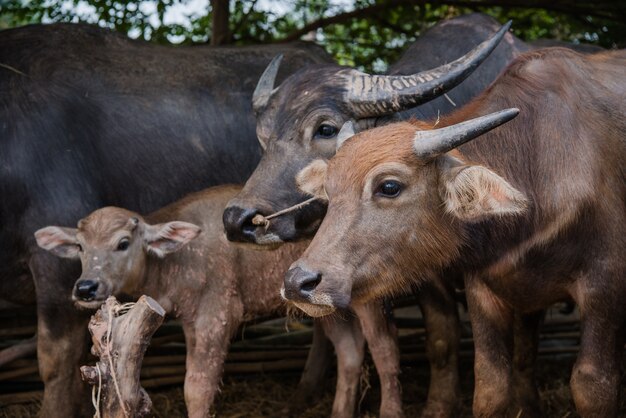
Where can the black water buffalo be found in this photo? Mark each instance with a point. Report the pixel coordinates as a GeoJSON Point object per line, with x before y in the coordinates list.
{"type": "Point", "coordinates": [299, 121]}
{"type": "Point", "coordinates": [90, 118]}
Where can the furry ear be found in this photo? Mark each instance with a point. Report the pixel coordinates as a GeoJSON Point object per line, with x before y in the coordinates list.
{"type": "Point", "coordinates": [59, 241]}
{"type": "Point", "coordinates": [473, 192]}
{"type": "Point", "coordinates": [163, 239]}
{"type": "Point", "coordinates": [311, 179]}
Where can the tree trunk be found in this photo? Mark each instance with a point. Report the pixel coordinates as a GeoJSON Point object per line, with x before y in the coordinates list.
{"type": "Point", "coordinates": [120, 341]}
{"type": "Point", "coordinates": [221, 14]}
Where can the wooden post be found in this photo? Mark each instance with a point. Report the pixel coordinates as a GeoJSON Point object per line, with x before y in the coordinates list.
{"type": "Point", "coordinates": [120, 338]}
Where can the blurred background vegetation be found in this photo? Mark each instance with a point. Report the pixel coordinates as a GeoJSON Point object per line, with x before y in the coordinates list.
{"type": "Point", "coordinates": [368, 34]}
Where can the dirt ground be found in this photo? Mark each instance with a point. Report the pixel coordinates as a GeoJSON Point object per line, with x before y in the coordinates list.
{"type": "Point", "coordinates": [267, 395]}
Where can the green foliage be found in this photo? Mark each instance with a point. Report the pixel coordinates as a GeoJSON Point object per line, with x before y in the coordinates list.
{"type": "Point", "coordinates": [370, 41]}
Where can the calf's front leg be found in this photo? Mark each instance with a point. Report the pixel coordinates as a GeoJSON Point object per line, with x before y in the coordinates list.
{"type": "Point", "coordinates": [492, 327]}
{"type": "Point", "coordinates": [207, 339]}
{"type": "Point", "coordinates": [381, 337]}
{"type": "Point", "coordinates": [349, 344]}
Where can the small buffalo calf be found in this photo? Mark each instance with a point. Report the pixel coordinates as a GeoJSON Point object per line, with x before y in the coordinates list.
{"type": "Point", "coordinates": [180, 257]}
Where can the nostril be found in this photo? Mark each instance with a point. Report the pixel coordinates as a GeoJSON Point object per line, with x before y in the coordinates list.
{"type": "Point", "coordinates": [238, 224]}
{"type": "Point", "coordinates": [310, 283]}
{"type": "Point", "coordinates": [86, 289]}
{"type": "Point", "coordinates": [247, 226]}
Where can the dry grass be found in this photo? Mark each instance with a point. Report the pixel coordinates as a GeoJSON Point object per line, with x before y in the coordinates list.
{"type": "Point", "coordinates": [267, 395]}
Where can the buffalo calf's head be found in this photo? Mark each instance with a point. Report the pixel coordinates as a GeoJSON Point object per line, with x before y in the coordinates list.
{"type": "Point", "coordinates": [396, 197]}
{"type": "Point", "coordinates": [113, 245]}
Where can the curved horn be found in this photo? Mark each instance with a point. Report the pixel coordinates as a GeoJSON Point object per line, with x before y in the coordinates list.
{"type": "Point", "coordinates": [429, 144]}
{"type": "Point", "coordinates": [346, 132]}
{"type": "Point", "coordinates": [265, 86]}
{"type": "Point", "coordinates": [378, 95]}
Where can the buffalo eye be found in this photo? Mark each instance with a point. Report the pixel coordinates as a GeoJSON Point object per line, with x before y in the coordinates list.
{"type": "Point", "coordinates": [80, 248]}
{"type": "Point", "coordinates": [123, 245]}
{"type": "Point", "coordinates": [325, 131]}
{"type": "Point", "coordinates": [389, 188]}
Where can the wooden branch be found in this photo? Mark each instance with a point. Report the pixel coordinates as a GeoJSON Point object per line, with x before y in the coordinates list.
{"type": "Point", "coordinates": [16, 373]}
{"type": "Point", "coordinates": [120, 340]}
{"type": "Point", "coordinates": [22, 349]}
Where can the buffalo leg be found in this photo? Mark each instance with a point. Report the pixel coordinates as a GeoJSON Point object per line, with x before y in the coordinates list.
{"type": "Point", "coordinates": [381, 337]}
{"type": "Point", "coordinates": [349, 344]}
{"type": "Point", "coordinates": [62, 338]}
{"type": "Point", "coordinates": [207, 339]}
{"type": "Point", "coordinates": [315, 369]}
{"type": "Point", "coordinates": [443, 334]}
{"type": "Point", "coordinates": [492, 327]}
{"type": "Point", "coordinates": [526, 343]}
{"type": "Point", "coordinates": [595, 379]}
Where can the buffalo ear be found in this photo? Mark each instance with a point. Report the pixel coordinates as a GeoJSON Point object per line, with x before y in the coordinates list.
{"type": "Point", "coordinates": [59, 241]}
{"type": "Point", "coordinates": [311, 179]}
{"type": "Point", "coordinates": [162, 239]}
{"type": "Point", "coordinates": [473, 192]}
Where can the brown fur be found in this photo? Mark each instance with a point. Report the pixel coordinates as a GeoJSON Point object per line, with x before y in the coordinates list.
{"type": "Point", "coordinates": [211, 285]}
{"type": "Point", "coordinates": [558, 173]}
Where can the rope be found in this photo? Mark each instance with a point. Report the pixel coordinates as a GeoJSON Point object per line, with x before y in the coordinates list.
{"type": "Point", "coordinates": [264, 221]}
{"type": "Point", "coordinates": [96, 400]}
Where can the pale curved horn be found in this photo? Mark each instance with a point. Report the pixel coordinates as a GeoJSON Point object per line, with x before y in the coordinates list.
{"type": "Point", "coordinates": [429, 144]}
{"type": "Point", "coordinates": [378, 95]}
{"type": "Point", "coordinates": [265, 86]}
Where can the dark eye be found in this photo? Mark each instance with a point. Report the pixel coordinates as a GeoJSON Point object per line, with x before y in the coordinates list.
{"type": "Point", "coordinates": [325, 131]}
{"type": "Point", "coordinates": [389, 188]}
{"type": "Point", "coordinates": [123, 245]}
{"type": "Point", "coordinates": [80, 248]}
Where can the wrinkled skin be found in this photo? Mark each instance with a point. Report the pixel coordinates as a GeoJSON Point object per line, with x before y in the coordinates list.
{"type": "Point", "coordinates": [179, 258]}
{"type": "Point", "coordinates": [532, 213]}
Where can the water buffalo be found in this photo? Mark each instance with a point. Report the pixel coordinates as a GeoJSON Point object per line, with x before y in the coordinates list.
{"type": "Point", "coordinates": [89, 118]}
{"type": "Point", "coordinates": [533, 212]}
{"type": "Point", "coordinates": [298, 121]}
{"type": "Point", "coordinates": [179, 257]}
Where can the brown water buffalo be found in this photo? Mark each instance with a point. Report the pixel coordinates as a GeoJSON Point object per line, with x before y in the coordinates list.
{"type": "Point", "coordinates": [180, 257]}
{"type": "Point", "coordinates": [532, 213]}
{"type": "Point", "coordinates": [298, 122]}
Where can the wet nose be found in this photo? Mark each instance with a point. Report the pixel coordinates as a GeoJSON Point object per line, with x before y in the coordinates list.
{"type": "Point", "coordinates": [238, 224]}
{"type": "Point", "coordinates": [86, 289]}
{"type": "Point", "coordinates": [300, 283]}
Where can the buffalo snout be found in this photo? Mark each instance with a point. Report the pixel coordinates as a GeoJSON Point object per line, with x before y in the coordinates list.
{"type": "Point", "coordinates": [300, 284]}
{"type": "Point", "coordinates": [238, 224]}
{"type": "Point", "coordinates": [86, 289]}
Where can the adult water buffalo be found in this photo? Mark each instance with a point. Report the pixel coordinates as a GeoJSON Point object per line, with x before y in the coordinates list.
{"type": "Point", "coordinates": [298, 122]}
{"type": "Point", "coordinates": [533, 213]}
{"type": "Point", "coordinates": [90, 118]}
